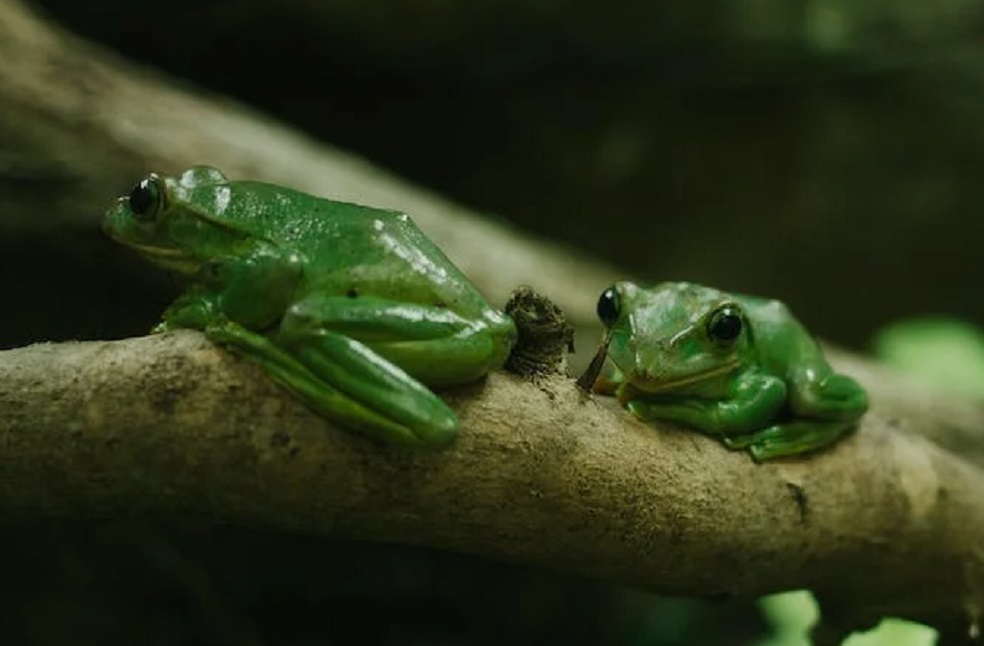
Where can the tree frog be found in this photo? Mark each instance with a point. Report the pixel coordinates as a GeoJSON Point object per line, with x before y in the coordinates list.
{"type": "Point", "coordinates": [737, 367]}
{"type": "Point", "coordinates": [349, 307]}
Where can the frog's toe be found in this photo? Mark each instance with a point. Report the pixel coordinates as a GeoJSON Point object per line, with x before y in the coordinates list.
{"type": "Point", "coordinates": [738, 442]}
{"type": "Point", "coordinates": [425, 421]}
{"type": "Point", "coordinates": [842, 388]}
{"type": "Point", "coordinates": [795, 438]}
{"type": "Point", "coordinates": [436, 431]}
{"type": "Point", "coordinates": [638, 409]}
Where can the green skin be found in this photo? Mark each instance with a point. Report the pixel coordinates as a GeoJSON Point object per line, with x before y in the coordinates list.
{"type": "Point", "coordinates": [349, 307]}
{"type": "Point", "coordinates": [736, 367]}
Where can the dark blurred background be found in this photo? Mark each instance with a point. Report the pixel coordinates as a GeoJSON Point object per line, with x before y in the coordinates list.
{"type": "Point", "coordinates": [826, 152]}
{"type": "Point", "coordinates": [127, 585]}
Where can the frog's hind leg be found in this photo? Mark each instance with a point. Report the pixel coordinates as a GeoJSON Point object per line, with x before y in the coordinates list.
{"type": "Point", "coordinates": [439, 424]}
{"type": "Point", "coordinates": [380, 352]}
{"type": "Point", "coordinates": [432, 344]}
{"type": "Point", "coordinates": [789, 438]}
{"type": "Point", "coordinates": [354, 369]}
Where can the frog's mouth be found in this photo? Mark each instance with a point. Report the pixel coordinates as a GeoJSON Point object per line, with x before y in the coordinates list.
{"type": "Point", "coordinates": [677, 384]}
{"type": "Point", "coordinates": [167, 257]}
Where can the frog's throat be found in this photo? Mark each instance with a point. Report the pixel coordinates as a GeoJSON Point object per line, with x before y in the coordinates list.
{"type": "Point", "coordinates": [676, 384]}
{"type": "Point", "coordinates": [168, 257]}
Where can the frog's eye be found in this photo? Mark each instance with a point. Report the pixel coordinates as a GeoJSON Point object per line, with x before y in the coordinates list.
{"type": "Point", "coordinates": [609, 307]}
{"type": "Point", "coordinates": [725, 324]}
{"type": "Point", "coordinates": [145, 199]}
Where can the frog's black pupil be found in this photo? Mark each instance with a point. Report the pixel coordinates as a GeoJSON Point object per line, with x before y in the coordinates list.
{"type": "Point", "coordinates": [143, 199]}
{"type": "Point", "coordinates": [609, 306]}
{"type": "Point", "coordinates": [725, 325]}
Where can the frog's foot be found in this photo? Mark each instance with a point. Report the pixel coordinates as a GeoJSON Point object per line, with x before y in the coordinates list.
{"type": "Point", "coordinates": [345, 381]}
{"type": "Point", "coordinates": [790, 438]}
{"type": "Point", "coordinates": [193, 310]}
{"type": "Point", "coordinates": [837, 397]}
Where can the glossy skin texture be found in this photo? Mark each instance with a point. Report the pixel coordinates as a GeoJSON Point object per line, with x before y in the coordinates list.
{"type": "Point", "coordinates": [737, 367]}
{"type": "Point", "coordinates": [349, 307]}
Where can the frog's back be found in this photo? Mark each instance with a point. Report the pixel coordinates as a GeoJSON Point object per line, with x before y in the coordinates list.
{"type": "Point", "coordinates": [353, 249]}
{"type": "Point", "coordinates": [781, 340]}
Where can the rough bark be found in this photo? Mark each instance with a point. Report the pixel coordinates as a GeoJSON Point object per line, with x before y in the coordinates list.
{"type": "Point", "coordinates": [888, 522]}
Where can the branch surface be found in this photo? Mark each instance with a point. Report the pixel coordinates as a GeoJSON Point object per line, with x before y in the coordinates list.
{"type": "Point", "coordinates": [886, 522]}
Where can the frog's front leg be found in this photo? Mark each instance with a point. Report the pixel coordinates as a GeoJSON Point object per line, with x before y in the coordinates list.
{"type": "Point", "coordinates": [375, 350]}
{"type": "Point", "coordinates": [252, 288]}
{"type": "Point", "coordinates": [255, 286]}
{"type": "Point", "coordinates": [193, 309]}
{"type": "Point", "coordinates": [755, 400]}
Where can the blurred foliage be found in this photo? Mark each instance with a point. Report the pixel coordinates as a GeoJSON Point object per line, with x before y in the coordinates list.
{"type": "Point", "coordinates": [792, 614]}
{"type": "Point", "coordinates": [945, 353]}
{"type": "Point", "coordinates": [894, 632]}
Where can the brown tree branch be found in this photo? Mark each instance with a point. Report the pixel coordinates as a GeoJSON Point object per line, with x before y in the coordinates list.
{"type": "Point", "coordinates": [890, 521]}
{"type": "Point", "coordinates": [886, 522]}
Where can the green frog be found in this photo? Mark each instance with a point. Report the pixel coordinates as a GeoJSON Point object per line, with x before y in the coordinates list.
{"type": "Point", "coordinates": [349, 307]}
{"type": "Point", "coordinates": [740, 368]}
